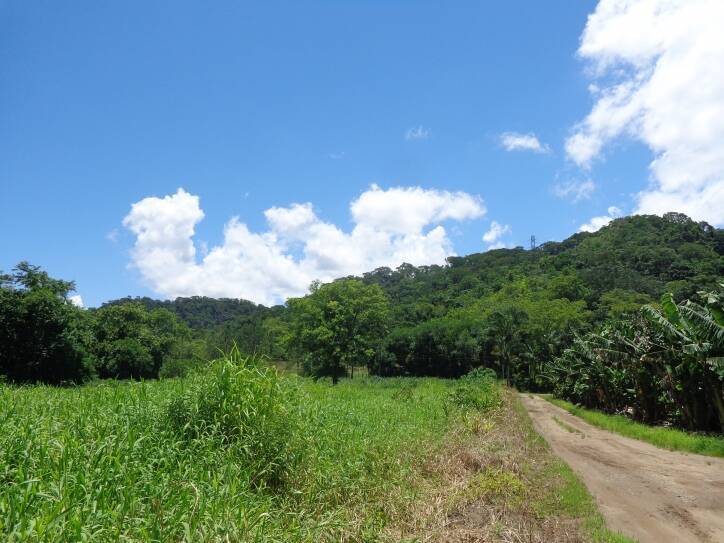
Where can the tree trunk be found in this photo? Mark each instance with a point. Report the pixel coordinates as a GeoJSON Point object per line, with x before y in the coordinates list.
{"type": "Point", "coordinates": [715, 393]}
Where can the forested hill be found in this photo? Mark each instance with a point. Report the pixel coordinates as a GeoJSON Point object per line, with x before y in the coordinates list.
{"type": "Point", "coordinates": [632, 261]}
{"type": "Point", "coordinates": [199, 312]}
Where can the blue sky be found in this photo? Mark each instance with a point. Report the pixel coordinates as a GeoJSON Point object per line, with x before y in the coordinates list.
{"type": "Point", "coordinates": [254, 106]}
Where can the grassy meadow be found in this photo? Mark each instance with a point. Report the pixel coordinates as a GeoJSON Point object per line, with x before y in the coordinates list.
{"type": "Point", "coordinates": [237, 453]}
{"type": "Point", "coordinates": [240, 452]}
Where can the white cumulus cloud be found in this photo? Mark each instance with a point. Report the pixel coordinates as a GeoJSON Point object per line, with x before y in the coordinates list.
{"type": "Point", "coordinates": [596, 223]}
{"type": "Point", "coordinates": [76, 300]}
{"type": "Point", "coordinates": [513, 141]}
{"type": "Point", "coordinates": [575, 191]}
{"type": "Point", "coordinates": [392, 226]}
{"type": "Point", "coordinates": [658, 71]}
{"type": "Point", "coordinates": [494, 234]}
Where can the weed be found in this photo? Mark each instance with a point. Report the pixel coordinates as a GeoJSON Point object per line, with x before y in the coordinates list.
{"type": "Point", "coordinates": [476, 390]}
{"type": "Point", "coordinates": [567, 427]}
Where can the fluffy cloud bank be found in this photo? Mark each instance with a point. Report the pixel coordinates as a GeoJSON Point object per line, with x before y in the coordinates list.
{"type": "Point", "coordinates": [658, 70]}
{"type": "Point", "coordinates": [390, 227]}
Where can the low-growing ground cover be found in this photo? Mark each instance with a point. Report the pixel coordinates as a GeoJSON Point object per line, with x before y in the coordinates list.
{"type": "Point", "coordinates": [667, 438]}
{"type": "Point", "coordinates": [240, 453]}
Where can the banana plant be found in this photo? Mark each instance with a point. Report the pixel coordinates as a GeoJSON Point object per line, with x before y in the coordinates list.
{"type": "Point", "coordinates": [698, 330]}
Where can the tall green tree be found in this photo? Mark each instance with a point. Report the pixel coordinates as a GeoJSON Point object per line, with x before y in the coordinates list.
{"type": "Point", "coordinates": [43, 336]}
{"type": "Point", "coordinates": [338, 326]}
{"type": "Point", "coordinates": [132, 342]}
{"type": "Point", "coordinates": [506, 334]}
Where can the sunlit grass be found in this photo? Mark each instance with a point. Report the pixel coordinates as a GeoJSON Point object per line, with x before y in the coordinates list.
{"type": "Point", "coordinates": [666, 438]}
{"type": "Point", "coordinates": [242, 453]}
{"type": "Point", "coordinates": [162, 460]}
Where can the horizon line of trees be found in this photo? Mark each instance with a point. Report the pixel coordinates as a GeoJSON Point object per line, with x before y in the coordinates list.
{"type": "Point", "coordinates": [578, 317]}
{"type": "Point", "coordinates": [658, 364]}
{"type": "Point", "coordinates": [46, 338]}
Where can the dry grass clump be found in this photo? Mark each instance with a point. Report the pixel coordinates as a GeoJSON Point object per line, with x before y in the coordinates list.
{"type": "Point", "coordinates": [496, 480]}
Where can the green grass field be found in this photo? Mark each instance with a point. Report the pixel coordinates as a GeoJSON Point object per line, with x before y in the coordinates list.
{"type": "Point", "coordinates": [241, 453]}
{"type": "Point", "coordinates": [237, 452]}
{"type": "Point", "coordinates": [666, 438]}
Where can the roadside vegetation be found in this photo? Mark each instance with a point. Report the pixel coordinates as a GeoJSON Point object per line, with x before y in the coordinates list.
{"type": "Point", "coordinates": [661, 364]}
{"type": "Point", "coordinates": [666, 438]}
{"type": "Point", "coordinates": [497, 480]}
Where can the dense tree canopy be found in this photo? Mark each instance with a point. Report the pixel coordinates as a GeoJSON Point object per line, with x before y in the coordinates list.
{"type": "Point", "coordinates": [43, 336]}
{"type": "Point", "coordinates": [199, 312]}
{"type": "Point", "coordinates": [338, 326]}
{"type": "Point", "coordinates": [132, 342]}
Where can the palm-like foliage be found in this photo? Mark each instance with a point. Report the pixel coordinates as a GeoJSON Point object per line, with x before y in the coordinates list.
{"type": "Point", "coordinates": [659, 364]}
{"type": "Point", "coordinates": [696, 332]}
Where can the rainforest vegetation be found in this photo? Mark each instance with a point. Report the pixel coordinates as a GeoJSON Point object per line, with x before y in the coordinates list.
{"type": "Point", "coordinates": [628, 320]}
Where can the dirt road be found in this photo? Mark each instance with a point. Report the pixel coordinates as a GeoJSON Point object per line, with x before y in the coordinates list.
{"type": "Point", "coordinates": [644, 492]}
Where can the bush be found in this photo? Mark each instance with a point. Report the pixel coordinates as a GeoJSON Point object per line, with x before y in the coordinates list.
{"type": "Point", "coordinates": [244, 405]}
{"type": "Point", "coordinates": [476, 390]}
{"type": "Point", "coordinates": [480, 375]}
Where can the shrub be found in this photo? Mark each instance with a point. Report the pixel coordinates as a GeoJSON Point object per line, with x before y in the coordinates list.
{"type": "Point", "coordinates": [244, 405]}
{"type": "Point", "coordinates": [476, 390]}
{"type": "Point", "coordinates": [480, 375]}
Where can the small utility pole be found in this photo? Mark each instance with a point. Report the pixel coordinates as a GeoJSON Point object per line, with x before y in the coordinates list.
{"type": "Point", "coordinates": [532, 243]}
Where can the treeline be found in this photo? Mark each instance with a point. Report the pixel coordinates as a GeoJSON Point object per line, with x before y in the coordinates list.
{"type": "Point", "coordinates": [198, 312]}
{"type": "Point", "coordinates": [46, 338]}
{"type": "Point", "coordinates": [581, 317]}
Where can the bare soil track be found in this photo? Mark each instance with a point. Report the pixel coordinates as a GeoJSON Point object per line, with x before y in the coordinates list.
{"type": "Point", "coordinates": [644, 492]}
